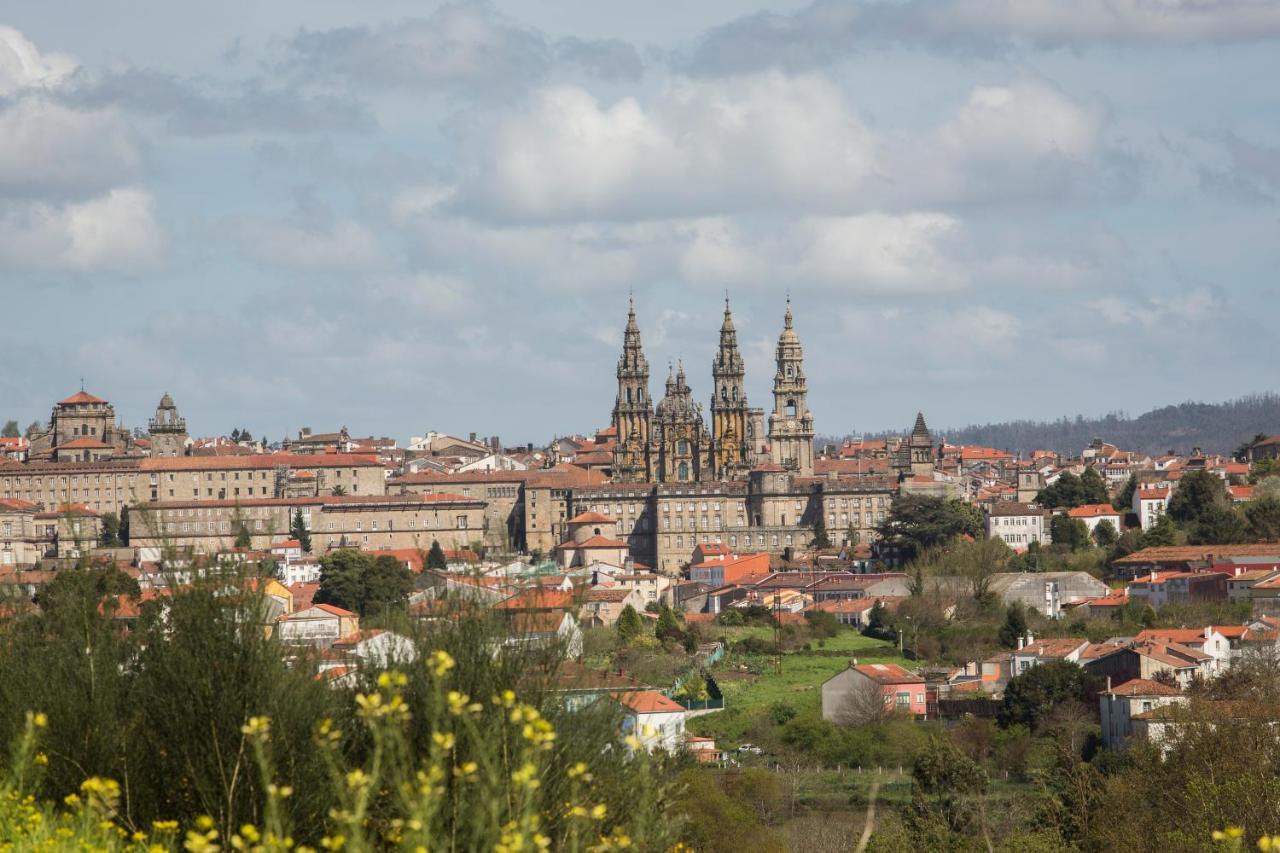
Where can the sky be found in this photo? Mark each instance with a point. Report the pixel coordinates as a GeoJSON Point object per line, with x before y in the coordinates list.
{"type": "Point", "coordinates": [403, 216]}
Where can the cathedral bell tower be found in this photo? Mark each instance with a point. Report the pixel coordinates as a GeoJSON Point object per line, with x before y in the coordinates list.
{"type": "Point", "coordinates": [791, 423]}
{"type": "Point", "coordinates": [632, 409]}
{"type": "Point", "coordinates": [732, 449]}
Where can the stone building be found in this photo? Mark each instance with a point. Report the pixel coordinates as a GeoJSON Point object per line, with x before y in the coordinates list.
{"type": "Point", "coordinates": [915, 455]}
{"type": "Point", "coordinates": [167, 430]}
{"type": "Point", "coordinates": [791, 423]}
{"type": "Point", "coordinates": [367, 522]}
{"type": "Point", "coordinates": [82, 428]}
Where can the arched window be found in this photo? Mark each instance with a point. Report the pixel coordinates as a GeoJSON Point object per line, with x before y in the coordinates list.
{"type": "Point", "coordinates": [735, 392]}
{"type": "Point", "coordinates": [628, 395]}
{"type": "Point", "coordinates": [791, 371]}
{"type": "Point", "coordinates": [791, 408]}
{"type": "Point", "coordinates": [724, 392]}
{"type": "Point", "coordinates": [684, 471]}
{"type": "Point", "coordinates": [751, 431]}
{"type": "Point", "coordinates": [682, 447]}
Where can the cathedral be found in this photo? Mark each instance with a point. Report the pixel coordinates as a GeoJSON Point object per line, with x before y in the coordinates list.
{"type": "Point", "coordinates": [670, 443]}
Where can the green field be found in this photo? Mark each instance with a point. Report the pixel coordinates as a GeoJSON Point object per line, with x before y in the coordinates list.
{"type": "Point", "coordinates": [752, 683]}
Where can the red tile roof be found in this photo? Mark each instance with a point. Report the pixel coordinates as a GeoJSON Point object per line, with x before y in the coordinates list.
{"type": "Point", "coordinates": [647, 702]}
{"type": "Point", "coordinates": [887, 673]}
{"type": "Point", "coordinates": [1093, 511]}
{"type": "Point", "coordinates": [1143, 687]}
{"type": "Point", "coordinates": [590, 518]}
{"type": "Point", "coordinates": [80, 397]}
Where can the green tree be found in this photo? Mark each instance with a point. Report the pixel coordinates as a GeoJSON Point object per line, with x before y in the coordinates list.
{"type": "Point", "coordinates": [1219, 525]}
{"type": "Point", "coordinates": [1014, 627]}
{"type": "Point", "coordinates": [10, 430]}
{"type": "Point", "coordinates": [243, 538]}
{"type": "Point", "coordinates": [1095, 488]}
{"type": "Point", "coordinates": [1263, 517]}
{"type": "Point", "coordinates": [298, 530]}
{"type": "Point", "coordinates": [668, 627]}
{"type": "Point", "coordinates": [1124, 497]}
{"type": "Point", "coordinates": [33, 429]}
{"type": "Point", "coordinates": [956, 783]}
{"type": "Point", "coordinates": [338, 491]}
{"type": "Point", "coordinates": [436, 558]}
{"type": "Point", "coordinates": [1066, 492]}
{"type": "Point", "coordinates": [1070, 532]}
{"type": "Point", "coordinates": [820, 537]}
{"type": "Point", "coordinates": [342, 578]}
{"type": "Point", "coordinates": [1197, 493]}
{"type": "Point", "coordinates": [1105, 534]}
{"type": "Point", "coordinates": [124, 525]}
{"type": "Point", "coordinates": [879, 623]}
{"type": "Point", "coordinates": [386, 584]}
{"type": "Point", "coordinates": [111, 530]}
{"type": "Point", "coordinates": [1030, 697]}
{"type": "Point", "coordinates": [629, 625]}
{"type": "Point", "coordinates": [918, 522]}
{"type": "Point", "coordinates": [1263, 468]}
{"type": "Point", "coordinates": [851, 536]}
{"type": "Point", "coordinates": [1163, 532]}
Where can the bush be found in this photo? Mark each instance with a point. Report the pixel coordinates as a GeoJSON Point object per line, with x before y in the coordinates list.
{"type": "Point", "coordinates": [781, 713]}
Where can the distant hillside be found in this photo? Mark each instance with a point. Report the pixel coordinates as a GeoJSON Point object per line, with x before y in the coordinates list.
{"type": "Point", "coordinates": [1215, 427]}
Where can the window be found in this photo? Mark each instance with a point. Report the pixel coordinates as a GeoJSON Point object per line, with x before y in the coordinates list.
{"type": "Point", "coordinates": [462, 522]}
{"type": "Point", "coordinates": [684, 471]}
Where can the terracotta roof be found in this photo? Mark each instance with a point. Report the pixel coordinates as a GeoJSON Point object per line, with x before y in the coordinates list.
{"type": "Point", "coordinates": [327, 608]}
{"type": "Point", "coordinates": [1093, 511]}
{"type": "Point", "coordinates": [1153, 493]}
{"type": "Point", "coordinates": [1191, 553]}
{"type": "Point", "coordinates": [1058, 647]}
{"type": "Point", "coordinates": [593, 542]}
{"type": "Point", "coordinates": [887, 673]}
{"type": "Point", "coordinates": [590, 518]}
{"type": "Point", "coordinates": [647, 702]}
{"type": "Point", "coordinates": [84, 443]}
{"type": "Point", "coordinates": [1143, 687]}
{"type": "Point", "coordinates": [612, 594]}
{"type": "Point", "coordinates": [259, 460]}
{"type": "Point", "coordinates": [80, 397]}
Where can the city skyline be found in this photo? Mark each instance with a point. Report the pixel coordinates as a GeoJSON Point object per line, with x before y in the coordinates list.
{"type": "Point", "coordinates": [429, 217]}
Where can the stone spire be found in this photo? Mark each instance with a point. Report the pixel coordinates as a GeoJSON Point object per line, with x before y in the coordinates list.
{"type": "Point", "coordinates": [633, 408]}
{"type": "Point", "coordinates": [729, 404]}
{"type": "Point", "coordinates": [791, 424]}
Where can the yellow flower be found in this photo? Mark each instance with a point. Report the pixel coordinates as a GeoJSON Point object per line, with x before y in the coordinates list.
{"type": "Point", "coordinates": [527, 776]}
{"type": "Point", "coordinates": [41, 759]}
{"type": "Point", "coordinates": [357, 779]}
{"type": "Point", "coordinates": [440, 662]}
{"type": "Point", "coordinates": [599, 811]}
{"type": "Point", "coordinates": [466, 771]}
{"type": "Point", "coordinates": [200, 842]}
{"type": "Point", "coordinates": [164, 825]}
{"type": "Point", "coordinates": [334, 843]}
{"type": "Point", "coordinates": [284, 792]}
{"type": "Point", "coordinates": [103, 795]}
{"type": "Point", "coordinates": [444, 740]}
{"type": "Point", "coordinates": [257, 727]}
{"type": "Point", "coordinates": [38, 719]}
{"type": "Point", "coordinates": [204, 822]}
{"type": "Point", "coordinates": [1266, 843]}
{"type": "Point", "coordinates": [457, 702]}
{"type": "Point", "coordinates": [392, 679]}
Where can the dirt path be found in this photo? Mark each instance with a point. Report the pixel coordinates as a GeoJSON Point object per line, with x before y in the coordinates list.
{"type": "Point", "coordinates": [870, 825]}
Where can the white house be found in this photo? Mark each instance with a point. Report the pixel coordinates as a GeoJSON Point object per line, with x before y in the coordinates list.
{"type": "Point", "coordinates": [319, 624]}
{"type": "Point", "coordinates": [1119, 705]}
{"type": "Point", "coordinates": [493, 462]}
{"type": "Point", "coordinates": [657, 721]}
{"type": "Point", "coordinates": [1094, 514]}
{"type": "Point", "coordinates": [379, 649]}
{"type": "Point", "coordinates": [1017, 524]}
{"type": "Point", "coordinates": [1149, 503]}
{"type": "Point", "coordinates": [1032, 652]}
{"type": "Point", "coordinates": [1208, 640]}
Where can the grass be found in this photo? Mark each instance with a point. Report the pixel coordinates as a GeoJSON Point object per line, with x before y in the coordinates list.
{"type": "Point", "coordinates": [752, 683]}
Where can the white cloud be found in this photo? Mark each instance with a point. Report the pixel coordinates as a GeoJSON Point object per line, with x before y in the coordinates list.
{"type": "Point", "coordinates": [22, 66]}
{"type": "Point", "coordinates": [48, 148]}
{"type": "Point", "coordinates": [116, 232]}
{"type": "Point", "coordinates": [1185, 309]}
{"type": "Point", "coordinates": [767, 140]}
{"type": "Point", "coordinates": [341, 246]}
{"type": "Point", "coordinates": [880, 252]}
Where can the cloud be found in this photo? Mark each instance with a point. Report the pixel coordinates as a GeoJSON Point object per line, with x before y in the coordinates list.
{"type": "Point", "coordinates": [116, 232]}
{"type": "Point", "coordinates": [49, 149]}
{"type": "Point", "coordinates": [341, 246]}
{"type": "Point", "coordinates": [22, 66]}
{"type": "Point", "coordinates": [459, 46]}
{"type": "Point", "coordinates": [196, 108]}
{"type": "Point", "coordinates": [827, 31]}
{"type": "Point", "coordinates": [1190, 308]}
{"type": "Point", "coordinates": [1251, 172]}
{"type": "Point", "coordinates": [768, 140]}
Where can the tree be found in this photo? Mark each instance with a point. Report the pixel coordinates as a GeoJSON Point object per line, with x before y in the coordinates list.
{"type": "Point", "coordinates": [1263, 468]}
{"type": "Point", "coordinates": [918, 522]}
{"type": "Point", "coordinates": [243, 538]}
{"type": "Point", "coordinates": [862, 705]}
{"type": "Point", "coordinates": [338, 491]}
{"type": "Point", "coordinates": [124, 525]}
{"type": "Point", "coordinates": [851, 536]}
{"type": "Point", "coordinates": [1105, 533]}
{"type": "Point", "coordinates": [1067, 492]}
{"type": "Point", "coordinates": [111, 530]}
{"type": "Point", "coordinates": [1095, 488]}
{"type": "Point", "coordinates": [235, 435]}
{"type": "Point", "coordinates": [436, 558]}
{"type": "Point", "coordinates": [629, 625]}
{"type": "Point", "coordinates": [1124, 497]}
{"type": "Point", "coordinates": [342, 579]}
{"type": "Point", "coordinates": [386, 584]}
{"type": "Point", "coordinates": [1031, 696]}
{"type": "Point", "coordinates": [668, 627]}
{"type": "Point", "coordinates": [1068, 531]}
{"type": "Point", "coordinates": [1014, 627]}
{"type": "Point", "coordinates": [10, 430]}
{"type": "Point", "coordinates": [820, 537]}
{"type": "Point", "coordinates": [298, 530]}
{"type": "Point", "coordinates": [1163, 532]}
{"type": "Point", "coordinates": [1197, 493]}
{"type": "Point", "coordinates": [879, 623]}
{"type": "Point", "coordinates": [1219, 525]}
{"type": "Point", "coordinates": [1263, 517]}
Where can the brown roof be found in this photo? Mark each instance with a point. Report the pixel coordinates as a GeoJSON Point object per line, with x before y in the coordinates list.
{"type": "Point", "coordinates": [1198, 553]}
{"type": "Point", "coordinates": [1143, 687]}
{"type": "Point", "coordinates": [887, 673]}
{"type": "Point", "coordinates": [80, 397]}
{"type": "Point", "coordinates": [647, 702]}
{"type": "Point", "coordinates": [590, 518]}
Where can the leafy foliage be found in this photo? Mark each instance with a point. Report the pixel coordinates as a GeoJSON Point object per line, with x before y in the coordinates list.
{"type": "Point", "coordinates": [1030, 697]}
{"type": "Point", "coordinates": [918, 522]}
{"type": "Point", "coordinates": [436, 558]}
{"type": "Point", "coordinates": [363, 583]}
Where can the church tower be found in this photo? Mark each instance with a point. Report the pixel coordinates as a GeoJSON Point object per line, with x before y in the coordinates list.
{"type": "Point", "coordinates": [632, 409]}
{"type": "Point", "coordinates": [791, 423]}
{"type": "Point", "coordinates": [729, 422]}
{"type": "Point", "coordinates": [167, 430]}
{"type": "Point", "coordinates": [681, 448]}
